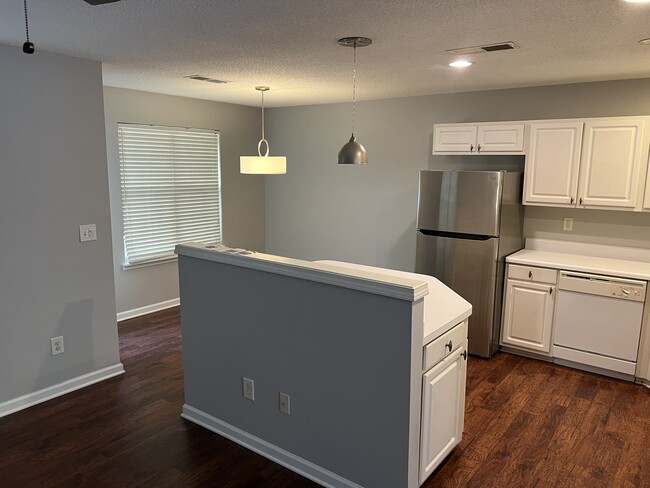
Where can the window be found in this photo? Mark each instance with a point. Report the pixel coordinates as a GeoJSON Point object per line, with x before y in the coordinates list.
{"type": "Point", "coordinates": [171, 190]}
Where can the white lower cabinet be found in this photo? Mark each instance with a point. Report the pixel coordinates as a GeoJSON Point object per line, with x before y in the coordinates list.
{"type": "Point", "coordinates": [528, 309]}
{"type": "Point", "coordinates": [443, 404]}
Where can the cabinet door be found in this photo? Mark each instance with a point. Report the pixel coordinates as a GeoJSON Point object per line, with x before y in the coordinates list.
{"type": "Point", "coordinates": [612, 158]}
{"type": "Point", "coordinates": [552, 163]}
{"type": "Point", "coordinates": [443, 408]}
{"type": "Point", "coordinates": [500, 138]}
{"type": "Point", "coordinates": [528, 316]}
{"type": "Point", "coordinates": [454, 138]}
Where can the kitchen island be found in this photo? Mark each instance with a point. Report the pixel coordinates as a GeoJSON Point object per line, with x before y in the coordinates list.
{"type": "Point", "coordinates": [344, 345]}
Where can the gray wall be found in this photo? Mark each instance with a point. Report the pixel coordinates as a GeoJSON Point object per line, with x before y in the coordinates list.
{"type": "Point", "coordinates": [52, 179]}
{"type": "Point", "coordinates": [242, 197]}
{"type": "Point", "coordinates": [367, 214]}
{"type": "Point", "coordinates": [344, 356]}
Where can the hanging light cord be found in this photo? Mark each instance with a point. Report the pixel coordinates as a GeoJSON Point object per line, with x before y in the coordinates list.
{"type": "Point", "coordinates": [263, 139]}
{"type": "Point", "coordinates": [26, 21]}
{"type": "Point", "coordinates": [263, 116]}
{"type": "Point", "coordinates": [354, 82]}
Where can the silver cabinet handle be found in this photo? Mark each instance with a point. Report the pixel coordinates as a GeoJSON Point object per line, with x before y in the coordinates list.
{"type": "Point", "coordinates": [571, 201]}
{"type": "Point", "coordinates": [464, 354]}
{"type": "Point", "coordinates": [530, 274]}
{"type": "Point", "coordinates": [580, 200]}
{"type": "Point", "coordinates": [550, 291]}
{"type": "Point", "coordinates": [478, 149]}
{"type": "Point", "coordinates": [471, 147]}
{"type": "Point", "coordinates": [449, 345]}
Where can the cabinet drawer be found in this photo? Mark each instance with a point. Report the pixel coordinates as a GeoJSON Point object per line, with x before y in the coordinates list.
{"type": "Point", "coordinates": [532, 273]}
{"type": "Point", "coordinates": [438, 349]}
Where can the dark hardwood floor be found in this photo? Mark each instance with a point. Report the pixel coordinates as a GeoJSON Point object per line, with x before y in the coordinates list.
{"type": "Point", "coordinates": [527, 423]}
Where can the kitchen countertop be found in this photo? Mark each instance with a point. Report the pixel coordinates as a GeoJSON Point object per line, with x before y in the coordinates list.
{"type": "Point", "coordinates": [589, 258]}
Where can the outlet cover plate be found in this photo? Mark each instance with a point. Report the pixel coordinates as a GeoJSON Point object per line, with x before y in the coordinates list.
{"type": "Point", "coordinates": [285, 403]}
{"type": "Point", "coordinates": [248, 389]}
{"type": "Point", "coordinates": [56, 343]}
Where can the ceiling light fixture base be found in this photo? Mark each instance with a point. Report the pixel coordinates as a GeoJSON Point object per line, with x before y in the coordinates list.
{"type": "Point", "coordinates": [355, 41]}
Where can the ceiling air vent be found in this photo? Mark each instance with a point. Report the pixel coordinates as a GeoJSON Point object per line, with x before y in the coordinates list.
{"type": "Point", "coordinates": [204, 78]}
{"type": "Point", "coordinates": [487, 48]}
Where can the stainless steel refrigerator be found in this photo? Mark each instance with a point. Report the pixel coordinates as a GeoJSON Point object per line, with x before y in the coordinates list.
{"type": "Point", "coordinates": [467, 223]}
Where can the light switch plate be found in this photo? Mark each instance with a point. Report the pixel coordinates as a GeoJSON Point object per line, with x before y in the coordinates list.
{"type": "Point", "coordinates": [87, 232]}
{"type": "Point", "coordinates": [568, 224]}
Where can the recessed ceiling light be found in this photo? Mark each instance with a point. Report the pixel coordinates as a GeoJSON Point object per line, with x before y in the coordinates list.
{"type": "Point", "coordinates": [645, 42]}
{"type": "Point", "coordinates": [637, 1]}
{"type": "Point", "coordinates": [461, 63]}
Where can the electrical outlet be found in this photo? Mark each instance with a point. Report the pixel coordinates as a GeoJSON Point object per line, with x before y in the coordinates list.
{"type": "Point", "coordinates": [248, 386]}
{"type": "Point", "coordinates": [285, 403]}
{"type": "Point", "coordinates": [56, 343]}
{"type": "Point", "coordinates": [87, 232]}
{"type": "Point", "coordinates": [568, 224]}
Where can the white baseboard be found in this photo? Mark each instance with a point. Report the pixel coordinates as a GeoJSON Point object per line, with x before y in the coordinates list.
{"type": "Point", "coordinates": [274, 453]}
{"type": "Point", "coordinates": [154, 307]}
{"type": "Point", "coordinates": [39, 396]}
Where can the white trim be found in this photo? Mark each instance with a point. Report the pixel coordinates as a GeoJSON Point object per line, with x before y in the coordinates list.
{"type": "Point", "coordinates": [39, 396]}
{"type": "Point", "coordinates": [379, 284]}
{"type": "Point", "coordinates": [274, 453]}
{"type": "Point", "coordinates": [154, 307]}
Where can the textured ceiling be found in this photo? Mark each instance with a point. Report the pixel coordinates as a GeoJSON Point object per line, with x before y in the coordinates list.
{"type": "Point", "coordinates": [291, 45]}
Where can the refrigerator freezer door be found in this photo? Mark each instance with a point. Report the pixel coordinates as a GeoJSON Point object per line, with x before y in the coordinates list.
{"type": "Point", "coordinates": [469, 267]}
{"type": "Point", "coordinates": [465, 202]}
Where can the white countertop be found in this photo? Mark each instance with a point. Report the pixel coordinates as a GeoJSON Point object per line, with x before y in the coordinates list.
{"type": "Point", "coordinates": [400, 287]}
{"type": "Point", "coordinates": [443, 308]}
{"type": "Point", "coordinates": [619, 261]}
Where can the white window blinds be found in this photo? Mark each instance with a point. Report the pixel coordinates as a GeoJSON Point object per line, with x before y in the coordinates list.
{"type": "Point", "coordinates": [171, 190]}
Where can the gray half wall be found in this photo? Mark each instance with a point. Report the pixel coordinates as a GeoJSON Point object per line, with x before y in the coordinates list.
{"type": "Point", "coordinates": [344, 356]}
{"type": "Point", "coordinates": [242, 195]}
{"type": "Point", "coordinates": [52, 179]}
{"type": "Point", "coordinates": [320, 210]}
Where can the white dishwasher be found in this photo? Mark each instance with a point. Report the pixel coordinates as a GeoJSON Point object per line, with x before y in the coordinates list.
{"type": "Point", "coordinates": [598, 321]}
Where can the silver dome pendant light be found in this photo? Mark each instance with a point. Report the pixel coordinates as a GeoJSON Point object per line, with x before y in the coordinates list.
{"type": "Point", "coordinates": [353, 152]}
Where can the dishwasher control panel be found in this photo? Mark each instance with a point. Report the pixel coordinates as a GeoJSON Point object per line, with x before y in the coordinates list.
{"type": "Point", "coordinates": [626, 291]}
{"type": "Point", "coordinates": [606, 286]}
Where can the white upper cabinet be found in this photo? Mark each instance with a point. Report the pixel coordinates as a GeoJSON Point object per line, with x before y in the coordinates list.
{"type": "Point", "coordinates": [591, 163]}
{"type": "Point", "coordinates": [492, 138]}
{"type": "Point", "coordinates": [552, 164]}
{"type": "Point", "coordinates": [614, 153]}
{"type": "Point", "coordinates": [454, 138]}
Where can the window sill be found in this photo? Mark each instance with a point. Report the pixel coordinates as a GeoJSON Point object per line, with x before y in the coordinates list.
{"type": "Point", "coordinates": [150, 262]}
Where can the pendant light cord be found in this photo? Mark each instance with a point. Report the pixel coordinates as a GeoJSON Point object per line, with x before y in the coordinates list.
{"type": "Point", "coordinates": [263, 116]}
{"type": "Point", "coordinates": [26, 21]}
{"type": "Point", "coordinates": [354, 83]}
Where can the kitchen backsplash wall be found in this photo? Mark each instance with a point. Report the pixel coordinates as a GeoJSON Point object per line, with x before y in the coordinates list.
{"type": "Point", "coordinates": [597, 226]}
{"type": "Point", "coordinates": [366, 214]}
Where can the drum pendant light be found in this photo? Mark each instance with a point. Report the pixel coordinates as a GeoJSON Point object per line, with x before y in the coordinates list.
{"type": "Point", "coordinates": [353, 152]}
{"type": "Point", "coordinates": [262, 164]}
